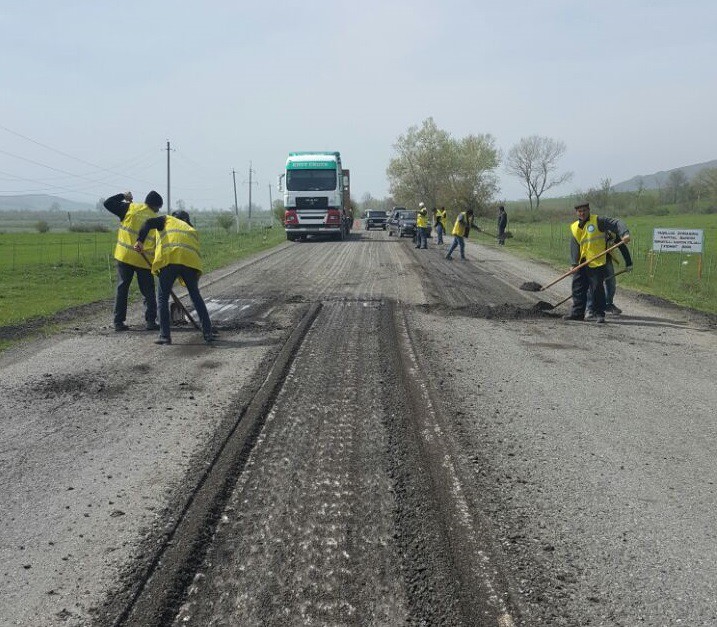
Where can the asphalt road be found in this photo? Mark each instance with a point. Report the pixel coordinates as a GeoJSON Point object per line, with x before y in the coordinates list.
{"type": "Point", "coordinates": [380, 437]}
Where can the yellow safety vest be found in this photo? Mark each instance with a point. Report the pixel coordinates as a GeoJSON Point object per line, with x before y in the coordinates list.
{"type": "Point", "coordinates": [178, 243]}
{"type": "Point", "coordinates": [591, 240]}
{"type": "Point", "coordinates": [421, 219]}
{"type": "Point", "coordinates": [137, 214]}
{"type": "Point", "coordinates": [459, 228]}
{"type": "Point", "coordinates": [441, 217]}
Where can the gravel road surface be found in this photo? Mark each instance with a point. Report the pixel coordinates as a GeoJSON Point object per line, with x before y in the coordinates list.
{"type": "Point", "coordinates": [379, 437]}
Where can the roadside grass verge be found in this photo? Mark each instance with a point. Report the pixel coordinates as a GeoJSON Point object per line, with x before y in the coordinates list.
{"type": "Point", "coordinates": [672, 276]}
{"type": "Point", "coordinates": [44, 273]}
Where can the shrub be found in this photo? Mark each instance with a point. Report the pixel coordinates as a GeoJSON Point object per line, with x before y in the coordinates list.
{"type": "Point", "coordinates": [41, 226]}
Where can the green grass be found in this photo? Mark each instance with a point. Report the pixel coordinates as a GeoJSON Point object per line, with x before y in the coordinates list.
{"type": "Point", "coordinates": [43, 273]}
{"type": "Point", "coordinates": [673, 276]}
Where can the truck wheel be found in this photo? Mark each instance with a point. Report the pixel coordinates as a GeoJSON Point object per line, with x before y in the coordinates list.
{"type": "Point", "coordinates": [291, 237]}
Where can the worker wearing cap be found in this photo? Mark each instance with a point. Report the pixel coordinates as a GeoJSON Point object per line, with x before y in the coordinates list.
{"type": "Point", "coordinates": [132, 215]}
{"type": "Point", "coordinates": [421, 226]}
{"type": "Point", "coordinates": [177, 256]}
{"type": "Point", "coordinates": [588, 243]}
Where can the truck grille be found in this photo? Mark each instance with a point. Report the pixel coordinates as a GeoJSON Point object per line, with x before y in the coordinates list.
{"type": "Point", "coordinates": [312, 202]}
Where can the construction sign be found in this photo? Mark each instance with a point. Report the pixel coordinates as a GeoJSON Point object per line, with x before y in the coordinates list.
{"type": "Point", "coordinates": [677, 240]}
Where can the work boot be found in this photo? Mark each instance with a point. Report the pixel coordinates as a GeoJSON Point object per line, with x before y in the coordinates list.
{"type": "Point", "coordinates": [163, 340]}
{"type": "Point", "coordinates": [449, 258]}
{"type": "Point", "coordinates": [591, 316]}
{"type": "Point", "coordinates": [613, 310]}
{"type": "Point", "coordinates": [121, 327]}
{"type": "Point", "coordinates": [572, 316]}
{"type": "Point", "coordinates": [152, 326]}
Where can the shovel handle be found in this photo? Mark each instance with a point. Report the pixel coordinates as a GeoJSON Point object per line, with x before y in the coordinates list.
{"type": "Point", "coordinates": [582, 265]}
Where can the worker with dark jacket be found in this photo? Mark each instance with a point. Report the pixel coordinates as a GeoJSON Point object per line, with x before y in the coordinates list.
{"type": "Point", "coordinates": [502, 224]}
{"type": "Point", "coordinates": [587, 243]}
{"type": "Point", "coordinates": [177, 256]}
{"type": "Point", "coordinates": [132, 216]}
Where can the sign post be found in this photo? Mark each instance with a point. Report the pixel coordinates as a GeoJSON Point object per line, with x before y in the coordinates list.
{"type": "Point", "coordinates": [680, 241]}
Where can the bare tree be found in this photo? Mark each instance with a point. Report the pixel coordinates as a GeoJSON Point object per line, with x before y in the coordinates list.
{"type": "Point", "coordinates": [534, 160]}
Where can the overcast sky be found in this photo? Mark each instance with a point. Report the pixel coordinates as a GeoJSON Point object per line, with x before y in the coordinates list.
{"type": "Point", "coordinates": [91, 91]}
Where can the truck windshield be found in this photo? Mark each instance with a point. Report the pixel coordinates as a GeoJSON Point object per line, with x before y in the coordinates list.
{"type": "Point", "coordinates": [310, 180]}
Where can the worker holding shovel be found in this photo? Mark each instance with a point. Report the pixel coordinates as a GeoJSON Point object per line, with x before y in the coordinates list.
{"type": "Point", "coordinates": [177, 256]}
{"type": "Point", "coordinates": [129, 262]}
{"type": "Point", "coordinates": [589, 244]}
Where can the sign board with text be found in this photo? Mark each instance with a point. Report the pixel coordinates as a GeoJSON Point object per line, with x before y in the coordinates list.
{"type": "Point", "coordinates": [677, 240]}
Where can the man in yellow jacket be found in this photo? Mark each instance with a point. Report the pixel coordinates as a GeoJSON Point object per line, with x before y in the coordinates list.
{"type": "Point", "coordinates": [461, 228]}
{"type": "Point", "coordinates": [132, 216]}
{"type": "Point", "coordinates": [177, 256]}
{"type": "Point", "coordinates": [589, 243]}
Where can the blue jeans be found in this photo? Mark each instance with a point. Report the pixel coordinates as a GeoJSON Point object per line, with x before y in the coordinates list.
{"type": "Point", "coordinates": [586, 281]}
{"type": "Point", "coordinates": [458, 242]}
{"type": "Point", "coordinates": [421, 239]}
{"type": "Point", "coordinates": [145, 281]}
{"type": "Point", "coordinates": [439, 233]}
{"type": "Point", "coordinates": [167, 276]}
{"type": "Point", "coordinates": [610, 287]}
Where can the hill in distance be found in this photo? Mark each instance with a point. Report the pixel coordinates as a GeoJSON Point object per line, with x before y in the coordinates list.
{"type": "Point", "coordinates": [659, 179]}
{"type": "Point", "coordinates": [42, 202]}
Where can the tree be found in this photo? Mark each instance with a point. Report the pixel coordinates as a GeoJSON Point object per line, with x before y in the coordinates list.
{"type": "Point", "coordinates": [421, 168]}
{"type": "Point", "coordinates": [433, 167]}
{"type": "Point", "coordinates": [473, 179]}
{"type": "Point", "coordinates": [534, 160]}
{"type": "Point", "coordinates": [705, 184]}
{"type": "Point", "coordinates": [226, 221]}
{"type": "Point", "coordinates": [677, 185]}
{"type": "Point", "coordinates": [100, 204]}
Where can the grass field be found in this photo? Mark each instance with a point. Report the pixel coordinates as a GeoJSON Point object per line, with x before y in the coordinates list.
{"type": "Point", "coordinates": [42, 273]}
{"type": "Point", "coordinates": [673, 276]}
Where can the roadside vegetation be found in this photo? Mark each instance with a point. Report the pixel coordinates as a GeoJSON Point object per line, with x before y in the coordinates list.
{"type": "Point", "coordinates": [43, 273]}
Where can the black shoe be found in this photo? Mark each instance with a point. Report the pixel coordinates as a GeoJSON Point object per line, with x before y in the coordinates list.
{"type": "Point", "coordinates": [449, 258]}
{"type": "Point", "coordinates": [574, 317]}
{"type": "Point", "coordinates": [612, 309]}
{"type": "Point", "coordinates": [601, 319]}
{"type": "Point", "coordinates": [121, 327]}
{"type": "Point", "coordinates": [152, 326]}
{"type": "Point", "coordinates": [163, 340]}
{"type": "Point", "coordinates": [210, 338]}
{"type": "Point", "coordinates": [591, 316]}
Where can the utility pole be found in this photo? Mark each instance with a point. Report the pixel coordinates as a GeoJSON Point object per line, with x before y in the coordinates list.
{"type": "Point", "coordinates": [271, 202]}
{"type": "Point", "coordinates": [236, 202]}
{"type": "Point", "coordinates": [250, 173]}
{"type": "Point", "coordinates": [169, 202]}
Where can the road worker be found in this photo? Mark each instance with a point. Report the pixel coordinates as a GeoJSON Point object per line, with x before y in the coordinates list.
{"type": "Point", "coordinates": [461, 229]}
{"type": "Point", "coordinates": [129, 262]}
{"type": "Point", "coordinates": [610, 280]}
{"type": "Point", "coordinates": [439, 221]}
{"type": "Point", "coordinates": [177, 256]}
{"type": "Point", "coordinates": [422, 226]}
{"type": "Point", "coordinates": [588, 241]}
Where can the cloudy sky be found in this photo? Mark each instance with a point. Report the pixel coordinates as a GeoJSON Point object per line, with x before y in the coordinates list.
{"type": "Point", "coordinates": [91, 91]}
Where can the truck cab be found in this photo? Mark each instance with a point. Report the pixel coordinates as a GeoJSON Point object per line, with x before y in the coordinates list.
{"type": "Point", "coordinates": [315, 197]}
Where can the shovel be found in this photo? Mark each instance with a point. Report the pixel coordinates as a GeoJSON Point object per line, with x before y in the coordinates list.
{"type": "Point", "coordinates": [535, 287]}
{"type": "Point", "coordinates": [175, 298]}
{"type": "Point", "coordinates": [543, 306]}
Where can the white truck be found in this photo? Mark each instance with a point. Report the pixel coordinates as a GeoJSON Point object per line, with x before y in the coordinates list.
{"type": "Point", "coordinates": [317, 196]}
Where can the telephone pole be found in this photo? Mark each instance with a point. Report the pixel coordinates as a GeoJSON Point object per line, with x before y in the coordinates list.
{"type": "Point", "coordinates": [169, 202]}
{"type": "Point", "coordinates": [236, 202]}
{"type": "Point", "coordinates": [250, 173]}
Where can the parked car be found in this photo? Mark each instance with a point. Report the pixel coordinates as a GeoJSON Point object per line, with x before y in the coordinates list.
{"type": "Point", "coordinates": [375, 220]}
{"type": "Point", "coordinates": [403, 222]}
